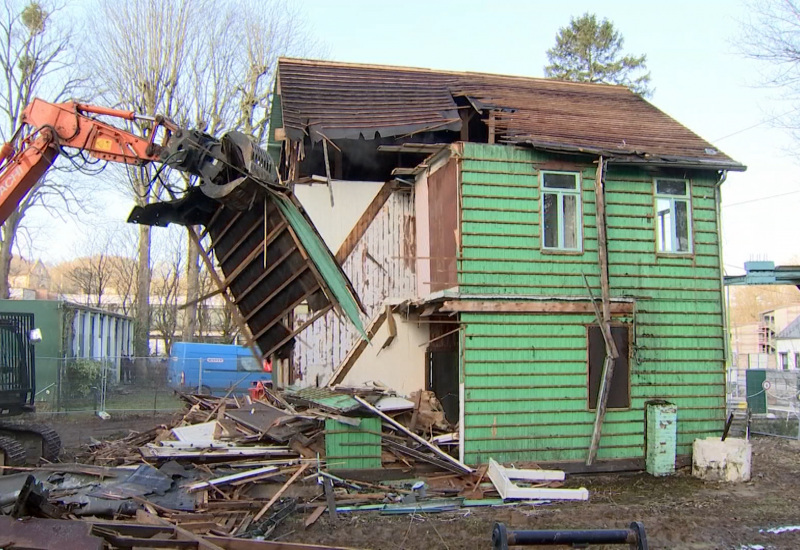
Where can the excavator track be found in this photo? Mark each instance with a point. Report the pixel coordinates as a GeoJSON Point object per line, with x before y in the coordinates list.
{"type": "Point", "coordinates": [39, 441]}
{"type": "Point", "coordinates": [12, 453]}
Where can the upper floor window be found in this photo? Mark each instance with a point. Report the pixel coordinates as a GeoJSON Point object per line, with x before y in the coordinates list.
{"type": "Point", "coordinates": [561, 211]}
{"type": "Point", "coordinates": [673, 216]}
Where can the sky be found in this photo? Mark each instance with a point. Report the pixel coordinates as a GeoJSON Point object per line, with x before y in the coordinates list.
{"type": "Point", "coordinates": [699, 76]}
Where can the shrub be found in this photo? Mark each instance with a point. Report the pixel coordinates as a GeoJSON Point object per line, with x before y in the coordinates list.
{"type": "Point", "coordinates": [82, 376]}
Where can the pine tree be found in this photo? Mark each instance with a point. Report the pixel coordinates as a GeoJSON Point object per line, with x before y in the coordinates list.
{"type": "Point", "coordinates": [591, 51]}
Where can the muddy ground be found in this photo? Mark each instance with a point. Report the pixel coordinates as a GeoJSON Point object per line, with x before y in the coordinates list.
{"type": "Point", "coordinates": [678, 511]}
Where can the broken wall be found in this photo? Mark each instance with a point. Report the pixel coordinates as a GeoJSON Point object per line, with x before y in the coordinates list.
{"type": "Point", "coordinates": [380, 265]}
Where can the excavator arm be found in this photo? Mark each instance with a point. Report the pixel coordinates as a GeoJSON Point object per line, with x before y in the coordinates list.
{"type": "Point", "coordinates": [48, 127]}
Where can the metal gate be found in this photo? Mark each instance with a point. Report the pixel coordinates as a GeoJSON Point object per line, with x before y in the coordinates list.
{"type": "Point", "coordinates": [17, 384]}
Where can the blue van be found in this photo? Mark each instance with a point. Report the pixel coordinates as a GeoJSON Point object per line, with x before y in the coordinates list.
{"type": "Point", "coordinates": [213, 369]}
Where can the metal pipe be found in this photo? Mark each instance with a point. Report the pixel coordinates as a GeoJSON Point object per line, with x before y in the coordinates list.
{"type": "Point", "coordinates": [634, 537]}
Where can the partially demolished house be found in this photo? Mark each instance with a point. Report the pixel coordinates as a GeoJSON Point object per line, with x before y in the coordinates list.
{"type": "Point", "coordinates": [505, 234]}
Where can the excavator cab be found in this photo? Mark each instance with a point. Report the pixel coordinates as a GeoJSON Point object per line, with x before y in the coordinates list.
{"type": "Point", "coordinates": [20, 441]}
{"type": "Point", "coordinates": [17, 370]}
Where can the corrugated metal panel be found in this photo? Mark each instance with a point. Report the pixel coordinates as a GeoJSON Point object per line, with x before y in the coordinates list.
{"type": "Point", "coordinates": [353, 447]}
{"type": "Point", "coordinates": [341, 100]}
{"type": "Point", "coordinates": [526, 374]}
{"type": "Point", "coordinates": [380, 266]}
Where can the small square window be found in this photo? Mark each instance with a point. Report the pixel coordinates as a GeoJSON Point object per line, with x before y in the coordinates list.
{"type": "Point", "coordinates": [561, 211]}
{"type": "Point", "coordinates": [673, 216]}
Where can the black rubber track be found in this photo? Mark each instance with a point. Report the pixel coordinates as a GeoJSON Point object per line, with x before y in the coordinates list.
{"type": "Point", "coordinates": [13, 450]}
{"type": "Point", "coordinates": [51, 442]}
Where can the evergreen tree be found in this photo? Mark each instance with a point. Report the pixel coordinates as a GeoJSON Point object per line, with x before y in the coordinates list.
{"type": "Point", "coordinates": [591, 51]}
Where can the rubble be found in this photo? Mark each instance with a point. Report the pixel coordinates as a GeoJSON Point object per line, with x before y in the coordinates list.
{"type": "Point", "coordinates": [238, 466]}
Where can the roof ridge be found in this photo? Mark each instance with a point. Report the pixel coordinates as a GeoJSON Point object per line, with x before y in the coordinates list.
{"type": "Point", "coordinates": [323, 62]}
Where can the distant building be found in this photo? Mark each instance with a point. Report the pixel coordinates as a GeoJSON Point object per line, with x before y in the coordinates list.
{"type": "Point", "coordinates": [755, 345]}
{"type": "Point", "coordinates": [787, 343]}
{"type": "Point", "coordinates": [33, 282]}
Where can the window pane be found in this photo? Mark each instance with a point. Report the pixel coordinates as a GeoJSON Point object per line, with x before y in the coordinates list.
{"type": "Point", "coordinates": [560, 181]}
{"type": "Point", "coordinates": [570, 221]}
{"type": "Point", "coordinates": [664, 225]}
{"type": "Point", "coordinates": [248, 363]}
{"type": "Point", "coordinates": [682, 225]}
{"type": "Point", "coordinates": [550, 225]}
{"type": "Point", "coordinates": [671, 187]}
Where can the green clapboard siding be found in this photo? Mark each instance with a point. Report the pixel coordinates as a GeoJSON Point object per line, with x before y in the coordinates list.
{"type": "Point", "coordinates": [353, 447]}
{"type": "Point", "coordinates": [525, 375]}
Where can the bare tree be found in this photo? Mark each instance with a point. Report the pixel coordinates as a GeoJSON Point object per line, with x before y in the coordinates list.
{"type": "Point", "coordinates": [35, 59]}
{"type": "Point", "coordinates": [232, 73]}
{"type": "Point", "coordinates": [167, 291]}
{"type": "Point", "coordinates": [204, 64]}
{"type": "Point", "coordinates": [771, 35]}
{"type": "Point", "coordinates": [141, 47]}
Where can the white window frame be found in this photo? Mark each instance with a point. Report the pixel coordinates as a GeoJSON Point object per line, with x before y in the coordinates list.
{"type": "Point", "coordinates": [560, 193]}
{"type": "Point", "coordinates": [673, 199]}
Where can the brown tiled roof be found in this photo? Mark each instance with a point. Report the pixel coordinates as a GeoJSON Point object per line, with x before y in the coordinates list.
{"type": "Point", "coordinates": [344, 100]}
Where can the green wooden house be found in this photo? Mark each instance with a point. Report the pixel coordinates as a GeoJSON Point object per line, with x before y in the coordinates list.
{"type": "Point", "coordinates": [515, 272]}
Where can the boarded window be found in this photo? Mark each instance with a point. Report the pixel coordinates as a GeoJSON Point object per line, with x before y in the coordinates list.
{"type": "Point", "coordinates": [619, 396]}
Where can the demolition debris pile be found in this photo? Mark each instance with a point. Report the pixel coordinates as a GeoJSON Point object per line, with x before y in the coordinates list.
{"type": "Point", "coordinates": [236, 467]}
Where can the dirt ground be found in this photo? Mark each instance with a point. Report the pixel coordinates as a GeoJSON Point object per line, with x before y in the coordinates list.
{"type": "Point", "coordinates": [679, 512]}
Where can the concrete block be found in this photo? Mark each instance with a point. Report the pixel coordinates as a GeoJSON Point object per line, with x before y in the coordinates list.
{"type": "Point", "coordinates": [716, 460]}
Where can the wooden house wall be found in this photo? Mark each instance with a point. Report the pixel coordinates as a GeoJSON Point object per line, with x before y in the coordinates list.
{"type": "Point", "coordinates": [380, 266]}
{"type": "Point", "coordinates": [525, 375]}
{"type": "Point", "coordinates": [443, 225]}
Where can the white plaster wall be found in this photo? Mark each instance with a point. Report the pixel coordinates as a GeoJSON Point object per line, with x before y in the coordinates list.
{"type": "Point", "coordinates": [401, 365]}
{"type": "Point", "coordinates": [350, 200]}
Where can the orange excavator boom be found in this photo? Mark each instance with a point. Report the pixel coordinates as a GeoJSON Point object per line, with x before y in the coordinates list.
{"type": "Point", "coordinates": [47, 127]}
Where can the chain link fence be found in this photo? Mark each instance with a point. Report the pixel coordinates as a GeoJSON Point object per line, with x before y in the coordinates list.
{"type": "Point", "coordinates": [109, 384]}
{"type": "Point", "coordinates": [770, 396]}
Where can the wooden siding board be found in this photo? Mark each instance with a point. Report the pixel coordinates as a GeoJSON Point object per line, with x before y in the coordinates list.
{"type": "Point", "coordinates": [525, 375]}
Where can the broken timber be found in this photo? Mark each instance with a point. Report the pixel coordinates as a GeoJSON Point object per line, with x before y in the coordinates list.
{"type": "Point", "coordinates": [605, 323]}
{"type": "Point", "coordinates": [463, 468]}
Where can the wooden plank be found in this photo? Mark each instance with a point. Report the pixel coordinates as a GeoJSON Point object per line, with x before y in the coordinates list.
{"type": "Point", "coordinates": [280, 492]}
{"type": "Point", "coordinates": [356, 351]}
{"type": "Point", "coordinates": [318, 511]}
{"type": "Point", "coordinates": [391, 421]}
{"type": "Point", "coordinates": [611, 348]}
{"type": "Point", "coordinates": [363, 223]}
{"type": "Point", "coordinates": [232, 543]}
{"type": "Point", "coordinates": [532, 306]}
{"type": "Point", "coordinates": [224, 480]}
{"type": "Point", "coordinates": [330, 498]}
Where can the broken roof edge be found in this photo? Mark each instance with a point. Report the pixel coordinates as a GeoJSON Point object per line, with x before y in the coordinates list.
{"type": "Point", "coordinates": [631, 157]}
{"type": "Point", "coordinates": [428, 70]}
